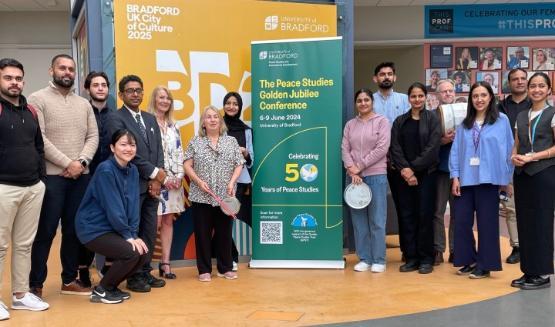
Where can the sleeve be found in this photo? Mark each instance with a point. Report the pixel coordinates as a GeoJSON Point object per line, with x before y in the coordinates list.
{"type": "Point", "coordinates": [39, 145]}
{"type": "Point", "coordinates": [237, 157]}
{"type": "Point", "coordinates": [346, 146]}
{"type": "Point", "coordinates": [250, 148]}
{"type": "Point", "coordinates": [135, 210]}
{"type": "Point", "coordinates": [395, 150]}
{"type": "Point", "coordinates": [430, 153]}
{"type": "Point", "coordinates": [110, 198]}
{"type": "Point", "coordinates": [510, 142]}
{"type": "Point", "coordinates": [190, 151]}
{"type": "Point", "coordinates": [382, 146]}
{"type": "Point", "coordinates": [51, 153]}
{"type": "Point", "coordinates": [91, 139]}
{"type": "Point", "coordinates": [180, 156]}
{"type": "Point", "coordinates": [454, 166]}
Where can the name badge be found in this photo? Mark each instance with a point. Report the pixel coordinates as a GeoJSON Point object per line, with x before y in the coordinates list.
{"type": "Point", "coordinates": [474, 161]}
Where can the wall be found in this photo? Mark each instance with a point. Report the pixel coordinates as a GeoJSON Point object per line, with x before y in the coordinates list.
{"type": "Point", "coordinates": [34, 38]}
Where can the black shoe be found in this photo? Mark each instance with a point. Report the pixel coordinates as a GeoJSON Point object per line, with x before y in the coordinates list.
{"type": "Point", "coordinates": [163, 273]}
{"type": "Point", "coordinates": [425, 268]}
{"type": "Point", "coordinates": [535, 283]}
{"type": "Point", "coordinates": [409, 266]}
{"type": "Point", "coordinates": [153, 281]}
{"type": "Point", "coordinates": [515, 256]}
{"type": "Point", "coordinates": [438, 258]}
{"type": "Point", "coordinates": [478, 273]}
{"type": "Point", "coordinates": [102, 295]}
{"type": "Point", "coordinates": [85, 277]}
{"type": "Point", "coordinates": [403, 257]}
{"type": "Point", "coordinates": [137, 283]}
{"type": "Point", "coordinates": [466, 270]}
{"type": "Point", "coordinates": [519, 282]}
{"type": "Point", "coordinates": [451, 257]}
{"type": "Point", "coordinates": [124, 295]}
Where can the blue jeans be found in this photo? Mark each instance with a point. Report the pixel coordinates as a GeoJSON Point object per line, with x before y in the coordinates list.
{"type": "Point", "coordinates": [369, 222]}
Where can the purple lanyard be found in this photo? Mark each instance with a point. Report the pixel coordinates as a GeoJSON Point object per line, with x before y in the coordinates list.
{"type": "Point", "coordinates": [476, 132]}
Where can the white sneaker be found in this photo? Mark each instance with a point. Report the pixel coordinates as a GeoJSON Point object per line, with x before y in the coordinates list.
{"type": "Point", "coordinates": [378, 268]}
{"type": "Point", "coordinates": [4, 314]}
{"type": "Point", "coordinates": [235, 266]}
{"type": "Point", "coordinates": [29, 302]}
{"type": "Point", "coordinates": [362, 266]}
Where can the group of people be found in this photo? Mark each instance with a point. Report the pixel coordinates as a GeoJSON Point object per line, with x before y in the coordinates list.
{"type": "Point", "coordinates": [498, 149]}
{"type": "Point", "coordinates": [112, 179]}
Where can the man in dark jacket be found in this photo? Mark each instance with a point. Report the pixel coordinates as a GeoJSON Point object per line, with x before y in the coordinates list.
{"type": "Point", "coordinates": [22, 171]}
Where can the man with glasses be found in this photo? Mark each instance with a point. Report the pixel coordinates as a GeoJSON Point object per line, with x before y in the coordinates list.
{"type": "Point", "coordinates": [518, 60]}
{"type": "Point", "coordinates": [150, 162]}
{"type": "Point", "coordinates": [70, 140]}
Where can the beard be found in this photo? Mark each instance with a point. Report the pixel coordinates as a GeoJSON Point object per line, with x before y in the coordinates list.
{"type": "Point", "coordinates": [63, 82]}
{"type": "Point", "coordinates": [11, 93]}
{"type": "Point", "coordinates": [386, 84]}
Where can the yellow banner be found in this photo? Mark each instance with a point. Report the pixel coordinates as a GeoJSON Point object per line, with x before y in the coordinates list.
{"type": "Point", "coordinates": [200, 49]}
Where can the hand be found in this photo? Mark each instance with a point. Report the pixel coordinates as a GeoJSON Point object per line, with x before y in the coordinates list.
{"type": "Point", "coordinates": [154, 188]}
{"type": "Point", "coordinates": [507, 189]}
{"type": "Point", "coordinates": [456, 187]}
{"type": "Point", "coordinates": [138, 245]}
{"type": "Point", "coordinates": [519, 160]}
{"type": "Point", "coordinates": [354, 170]}
{"type": "Point", "coordinates": [231, 188]}
{"type": "Point", "coordinates": [407, 173]}
{"type": "Point", "coordinates": [413, 181]}
{"type": "Point", "coordinates": [73, 170]}
{"type": "Point", "coordinates": [448, 137]}
{"type": "Point", "coordinates": [203, 186]}
{"type": "Point", "coordinates": [161, 175]}
{"type": "Point", "coordinates": [244, 152]}
{"type": "Point", "coordinates": [356, 179]}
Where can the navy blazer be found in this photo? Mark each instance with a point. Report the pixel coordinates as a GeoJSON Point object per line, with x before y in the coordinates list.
{"type": "Point", "coordinates": [149, 151]}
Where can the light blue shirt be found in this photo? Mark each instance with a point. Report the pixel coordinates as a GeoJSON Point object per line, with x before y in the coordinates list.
{"type": "Point", "coordinates": [392, 106]}
{"type": "Point", "coordinates": [494, 154]}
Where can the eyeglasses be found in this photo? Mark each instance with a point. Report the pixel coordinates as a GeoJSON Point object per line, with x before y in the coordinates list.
{"type": "Point", "coordinates": [131, 91]}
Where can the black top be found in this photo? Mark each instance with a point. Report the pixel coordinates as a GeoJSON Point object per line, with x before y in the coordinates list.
{"type": "Point", "coordinates": [512, 109]}
{"type": "Point", "coordinates": [21, 145]}
{"type": "Point", "coordinates": [104, 137]}
{"type": "Point", "coordinates": [409, 139]}
{"type": "Point", "coordinates": [543, 140]}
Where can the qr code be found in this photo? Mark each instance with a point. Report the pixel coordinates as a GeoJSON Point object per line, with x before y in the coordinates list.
{"type": "Point", "coordinates": [271, 232]}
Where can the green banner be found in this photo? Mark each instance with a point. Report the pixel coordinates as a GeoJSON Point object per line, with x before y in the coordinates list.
{"type": "Point", "coordinates": [297, 123]}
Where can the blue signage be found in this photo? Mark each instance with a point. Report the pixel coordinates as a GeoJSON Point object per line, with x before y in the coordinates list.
{"type": "Point", "coordinates": [516, 19]}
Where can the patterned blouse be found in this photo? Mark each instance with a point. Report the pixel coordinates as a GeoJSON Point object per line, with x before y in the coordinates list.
{"type": "Point", "coordinates": [173, 152]}
{"type": "Point", "coordinates": [214, 166]}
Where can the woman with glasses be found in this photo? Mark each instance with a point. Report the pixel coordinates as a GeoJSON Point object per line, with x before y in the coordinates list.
{"type": "Point", "coordinates": [534, 184]}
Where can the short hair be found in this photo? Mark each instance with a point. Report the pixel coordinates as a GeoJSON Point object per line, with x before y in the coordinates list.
{"type": "Point", "coordinates": [202, 131]}
{"type": "Point", "coordinates": [387, 64]}
{"type": "Point", "coordinates": [93, 74]}
{"type": "Point", "coordinates": [128, 78]}
{"type": "Point", "coordinates": [10, 62]}
{"type": "Point", "coordinates": [514, 70]}
{"type": "Point", "coordinates": [152, 102]}
{"type": "Point", "coordinates": [446, 80]}
{"type": "Point", "coordinates": [61, 55]}
{"type": "Point", "coordinates": [459, 74]}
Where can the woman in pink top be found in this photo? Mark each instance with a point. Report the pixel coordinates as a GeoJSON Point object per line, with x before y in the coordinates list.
{"type": "Point", "coordinates": [364, 149]}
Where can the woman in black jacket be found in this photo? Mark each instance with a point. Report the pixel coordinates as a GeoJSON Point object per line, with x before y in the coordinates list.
{"type": "Point", "coordinates": [414, 153]}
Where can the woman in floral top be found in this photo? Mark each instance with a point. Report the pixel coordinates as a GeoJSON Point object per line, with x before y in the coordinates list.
{"type": "Point", "coordinates": [213, 162]}
{"type": "Point", "coordinates": [171, 194]}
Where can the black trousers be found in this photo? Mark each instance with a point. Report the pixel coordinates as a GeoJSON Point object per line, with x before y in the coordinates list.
{"type": "Point", "coordinates": [125, 260]}
{"type": "Point", "coordinates": [207, 220]}
{"type": "Point", "coordinates": [244, 195]}
{"type": "Point", "coordinates": [394, 179]}
{"type": "Point", "coordinates": [61, 201]}
{"type": "Point", "coordinates": [534, 204]}
{"type": "Point", "coordinates": [415, 214]}
{"type": "Point", "coordinates": [147, 228]}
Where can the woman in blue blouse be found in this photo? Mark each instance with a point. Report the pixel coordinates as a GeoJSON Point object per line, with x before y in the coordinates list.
{"type": "Point", "coordinates": [108, 219]}
{"type": "Point", "coordinates": [480, 165]}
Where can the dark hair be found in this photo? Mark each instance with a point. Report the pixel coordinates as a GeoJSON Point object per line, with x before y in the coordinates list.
{"type": "Point", "coordinates": [492, 113]}
{"type": "Point", "coordinates": [236, 96]}
{"type": "Point", "coordinates": [93, 74]}
{"type": "Point", "coordinates": [364, 90]}
{"type": "Point", "coordinates": [121, 133]}
{"type": "Point", "coordinates": [384, 65]}
{"type": "Point", "coordinates": [129, 78]}
{"type": "Point", "coordinates": [9, 62]}
{"type": "Point", "coordinates": [417, 85]}
{"type": "Point", "coordinates": [545, 77]}
{"type": "Point", "coordinates": [514, 70]}
{"type": "Point", "coordinates": [61, 55]}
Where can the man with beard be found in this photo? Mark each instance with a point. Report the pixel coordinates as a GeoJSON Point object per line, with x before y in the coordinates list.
{"type": "Point", "coordinates": [150, 162]}
{"type": "Point", "coordinates": [511, 106]}
{"type": "Point", "coordinates": [97, 85]}
{"type": "Point", "coordinates": [446, 92]}
{"type": "Point", "coordinates": [70, 139]}
{"type": "Point", "coordinates": [22, 171]}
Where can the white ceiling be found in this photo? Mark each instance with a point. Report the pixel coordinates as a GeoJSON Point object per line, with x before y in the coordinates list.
{"type": "Point", "coordinates": [34, 5]}
{"type": "Point", "coordinates": [373, 3]}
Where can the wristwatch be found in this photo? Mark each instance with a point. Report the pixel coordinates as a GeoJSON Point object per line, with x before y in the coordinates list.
{"type": "Point", "coordinates": [83, 163]}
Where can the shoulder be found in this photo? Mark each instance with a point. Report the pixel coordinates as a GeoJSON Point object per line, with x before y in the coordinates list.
{"type": "Point", "coordinates": [381, 119]}
{"type": "Point", "coordinates": [401, 95]}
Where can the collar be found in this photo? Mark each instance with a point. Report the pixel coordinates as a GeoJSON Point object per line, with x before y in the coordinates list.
{"type": "Point", "coordinates": [57, 88]}
{"type": "Point", "coordinates": [385, 96]}
{"type": "Point", "coordinates": [105, 108]}
{"type": "Point", "coordinates": [132, 112]}
{"type": "Point", "coordinates": [124, 170]}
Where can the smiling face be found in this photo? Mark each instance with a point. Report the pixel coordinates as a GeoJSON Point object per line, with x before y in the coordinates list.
{"type": "Point", "coordinates": [11, 82]}
{"type": "Point", "coordinates": [480, 99]}
{"type": "Point", "coordinates": [540, 57]}
{"type": "Point", "coordinates": [162, 101]}
{"type": "Point", "coordinates": [517, 82]}
{"type": "Point", "coordinates": [488, 78]}
{"type": "Point", "coordinates": [385, 78]}
{"type": "Point", "coordinates": [211, 121]}
{"type": "Point", "coordinates": [538, 89]}
{"type": "Point", "coordinates": [417, 98]}
{"type": "Point", "coordinates": [363, 104]}
{"type": "Point", "coordinates": [98, 89]}
{"type": "Point", "coordinates": [124, 149]}
{"type": "Point", "coordinates": [63, 72]}
{"type": "Point", "coordinates": [446, 93]}
{"type": "Point", "coordinates": [132, 95]}
{"type": "Point", "coordinates": [231, 106]}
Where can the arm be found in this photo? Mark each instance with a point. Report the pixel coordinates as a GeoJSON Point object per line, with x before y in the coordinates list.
{"type": "Point", "coordinates": [396, 151]}
{"type": "Point", "coordinates": [348, 160]}
{"type": "Point", "coordinates": [382, 146]}
{"type": "Point", "coordinates": [239, 162]}
{"type": "Point", "coordinates": [91, 139]}
{"type": "Point", "coordinates": [454, 165]}
{"type": "Point", "coordinates": [180, 157]}
{"type": "Point", "coordinates": [51, 153]}
{"type": "Point", "coordinates": [39, 145]}
{"type": "Point", "coordinates": [110, 199]}
{"type": "Point", "coordinates": [430, 153]}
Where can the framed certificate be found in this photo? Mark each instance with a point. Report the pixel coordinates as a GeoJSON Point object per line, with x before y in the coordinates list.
{"type": "Point", "coordinates": [441, 56]}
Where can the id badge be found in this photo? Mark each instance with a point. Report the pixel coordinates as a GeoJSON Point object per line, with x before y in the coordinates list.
{"type": "Point", "coordinates": [474, 161]}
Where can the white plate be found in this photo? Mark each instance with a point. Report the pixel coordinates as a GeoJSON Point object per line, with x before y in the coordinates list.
{"type": "Point", "coordinates": [357, 196]}
{"type": "Point", "coordinates": [232, 205]}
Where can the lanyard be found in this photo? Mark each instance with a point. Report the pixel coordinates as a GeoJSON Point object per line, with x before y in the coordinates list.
{"type": "Point", "coordinates": [476, 132]}
{"type": "Point", "coordinates": [532, 130]}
